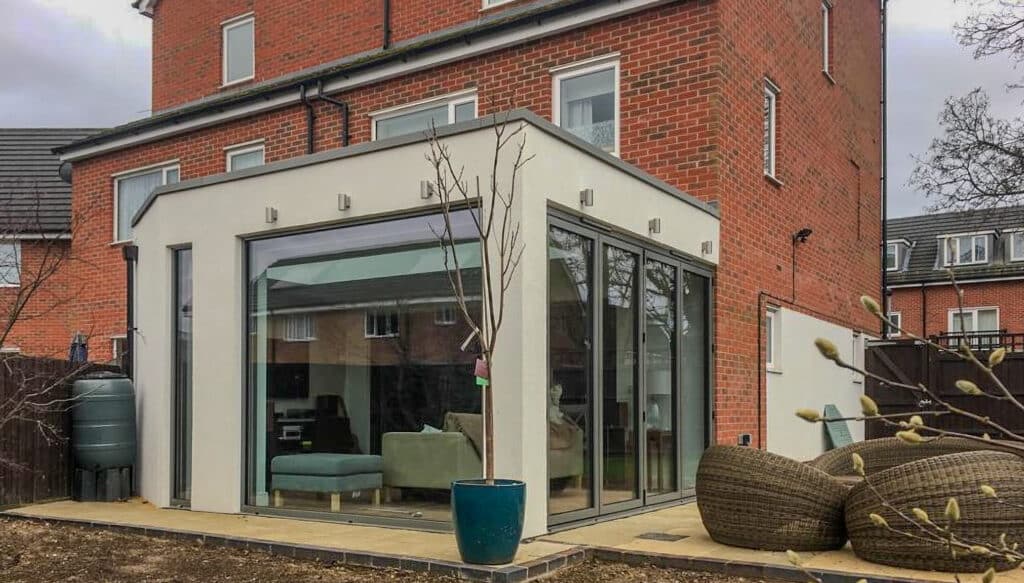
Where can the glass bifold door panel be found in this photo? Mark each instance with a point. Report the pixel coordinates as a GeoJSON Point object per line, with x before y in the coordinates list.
{"type": "Point", "coordinates": [628, 376]}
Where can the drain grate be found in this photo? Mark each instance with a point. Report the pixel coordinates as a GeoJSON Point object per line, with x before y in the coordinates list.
{"type": "Point", "coordinates": [662, 536]}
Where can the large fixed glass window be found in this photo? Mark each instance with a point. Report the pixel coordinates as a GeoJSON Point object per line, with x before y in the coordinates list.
{"type": "Point", "coordinates": [359, 401]}
{"type": "Point", "coordinates": [183, 310]}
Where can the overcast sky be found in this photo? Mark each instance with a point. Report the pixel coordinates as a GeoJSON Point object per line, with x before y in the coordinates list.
{"type": "Point", "coordinates": [86, 63]}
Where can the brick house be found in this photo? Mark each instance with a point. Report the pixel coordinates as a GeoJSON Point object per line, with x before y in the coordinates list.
{"type": "Point", "coordinates": [766, 115]}
{"type": "Point", "coordinates": [35, 233]}
{"type": "Point", "coordinates": [985, 251]}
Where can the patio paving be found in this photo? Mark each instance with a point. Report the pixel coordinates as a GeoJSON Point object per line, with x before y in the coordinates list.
{"type": "Point", "coordinates": [671, 537]}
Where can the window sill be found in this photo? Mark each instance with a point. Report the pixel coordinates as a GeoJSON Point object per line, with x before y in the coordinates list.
{"type": "Point", "coordinates": [231, 84]}
{"type": "Point", "coordinates": [773, 370]}
{"type": "Point", "coordinates": [774, 181]}
{"type": "Point", "coordinates": [497, 5]}
{"type": "Point", "coordinates": [831, 79]}
{"type": "Point", "coordinates": [123, 243]}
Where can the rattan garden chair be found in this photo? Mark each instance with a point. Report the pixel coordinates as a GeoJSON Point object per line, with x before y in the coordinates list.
{"type": "Point", "coordinates": [928, 484]}
{"type": "Point", "coordinates": [754, 499]}
{"type": "Point", "coordinates": [888, 452]}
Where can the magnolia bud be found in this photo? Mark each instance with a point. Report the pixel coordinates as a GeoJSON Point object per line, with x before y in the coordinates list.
{"type": "Point", "coordinates": [916, 421]}
{"type": "Point", "coordinates": [870, 305]}
{"type": "Point", "coordinates": [968, 387]}
{"type": "Point", "coordinates": [910, 437]}
{"type": "Point", "coordinates": [952, 510]}
{"type": "Point", "coordinates": [878, 520]}
{"type": "Point", "coordinates": [989, 576]}
{"type": "Point", "coordinates": [921, 515]}
{"type": "Point", "coordinates": [808, 415]}
{"type": "Point", "coordinates": [996, 357]}
{"type": "Point", "coordinates": [988, 491]}
{"type": "Point", "coordinates": [979, 550]}
{"type": "Point", "coordinates": [827, 349]}
{"type": "Point", "coordinates": [868, 406]}
{"type": "Point", "coordinates": [858, 463]}
{"type": "Point", "coordinates": [986, 437]}
{"type": "Point", "coordinates": [794, 558]}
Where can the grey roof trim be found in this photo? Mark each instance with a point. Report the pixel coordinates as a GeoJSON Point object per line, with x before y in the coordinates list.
{"type": "Point", "coordinates": [523, 115]}
{"type": "Point", "coordinates": [283, 91]}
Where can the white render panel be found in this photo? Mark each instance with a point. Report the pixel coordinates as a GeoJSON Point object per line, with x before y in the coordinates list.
{"type": "Point", "coordinates": [214, 219]}
{"type": "Point", "coordinates": [804, 379]}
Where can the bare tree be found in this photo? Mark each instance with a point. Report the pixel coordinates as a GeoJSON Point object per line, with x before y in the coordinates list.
{"type": "Point", "coordinates": [978, 161]}
{"type": "Point", "coordinates": [917, 428]}
{"type": "Point", "coordinates": [35, 261]}
{"type": "Point", "coordinates": [498, 232]}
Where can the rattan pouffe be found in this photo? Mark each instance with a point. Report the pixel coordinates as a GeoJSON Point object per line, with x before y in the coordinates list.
{"type": "Point", "coordinates": [889, 452]}
{"type": "Point", "coordinates": [928, 484]}
{"type": "Point", "coordinates": [754, 499]}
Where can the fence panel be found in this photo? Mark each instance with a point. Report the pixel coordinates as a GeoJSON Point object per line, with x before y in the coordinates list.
{"type": "Point", "coordinates": [916, 363]}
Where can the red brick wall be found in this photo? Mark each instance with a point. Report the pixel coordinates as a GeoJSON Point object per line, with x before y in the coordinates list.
{"type": "Point", "coordinates": [828, 160]}
{"type": "Point", "coordinates": [691, 94]}
{"type": "Point", "coordinates": [47, 323]}
{"type": "Point", "coordinates": [928, 314]}
{"type": "Point", "coordinates": [290, 36]}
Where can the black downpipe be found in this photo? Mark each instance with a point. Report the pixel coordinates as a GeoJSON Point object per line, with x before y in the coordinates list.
{"type": "Point", "coordinates": [386, 43]}
{"type": "Point", "coordinates": [884, 298]}
{"type": "Point", "coordinates": [131, 256]}
{"type": "Point", "coordinates": [344, 111]}
{"type": "Point", "coordinates": [310, 121]}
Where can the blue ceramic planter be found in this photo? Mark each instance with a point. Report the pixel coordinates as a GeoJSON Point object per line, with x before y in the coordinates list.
{"type": "Point", "coordinates": [488, 519]}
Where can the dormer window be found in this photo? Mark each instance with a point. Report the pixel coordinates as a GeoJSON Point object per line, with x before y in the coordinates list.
{"type": "Point", "coordinates": [1017, 246]}
{"type": "Point", "coordinates": [896, 254]}
{"type": "Point", "coordinates": [966, 249]}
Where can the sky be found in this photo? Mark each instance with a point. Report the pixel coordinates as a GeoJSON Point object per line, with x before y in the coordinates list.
{"type": "Point", "coordinates": [86, 63]}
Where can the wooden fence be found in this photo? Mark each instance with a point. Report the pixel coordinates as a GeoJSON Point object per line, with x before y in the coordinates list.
{"type": "Point", "coordinates": [914, 363]}
{"type": "Point", "coordinates": [39, 468]}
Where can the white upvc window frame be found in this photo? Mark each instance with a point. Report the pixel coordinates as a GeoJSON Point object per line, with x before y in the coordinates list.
{"type": "Point", "coordinates": [586, 67]}
{"type": "Point", "coordinates": [826, 37]}
{"type": "Point", "coordinates": [895, 254]}
{"type": "Point", "coordinates": [309, 327]}
{"type": "Point", "coordinates": [227, 25]}
{"type": "Point", "coordinates": [165, 168]}
{"type": "Point", "coordinates": [18, 258]}
{"type": "Point", "coordinates": [452, 99]}
{"type": "Point", "coordinates": [974, 318]}
{"type": "Point", "coordinates": [953, 261]}
{"type": "Point", "coordinates": [115, 353]}
{"type": "Point", "coordinates": [857, 357]}
{"type": "Point", "coordinates": [771, 166]}
{"type": "Point", "coordinates": [244, 148]}
{"type": "Point", "coordinates": [897, 319]}
{"type": "Point", "coordinates": [772, 344]}
{"type": "Point", "coordinates": [1019, 233]}
{"type": "Point", "coordinates": [446, 315]}
{"type": "Point", "coordinates": [494, 3]}
{"type": "Point", "coordinates": [376, 333]}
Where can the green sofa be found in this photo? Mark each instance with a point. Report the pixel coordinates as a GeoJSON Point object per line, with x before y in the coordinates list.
{"type": "Point", "coordinates": [435, 460]}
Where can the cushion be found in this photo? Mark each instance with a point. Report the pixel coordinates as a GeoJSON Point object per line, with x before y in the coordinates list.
{"type": "Point", "coordinates": [326, 483]}
{"type": "Point", "coordinates": [430, 429]}
{"type": "Point", "coordinates": [326, 464]}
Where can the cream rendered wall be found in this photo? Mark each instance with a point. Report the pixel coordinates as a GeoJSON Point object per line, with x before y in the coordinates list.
{"type": "Point", "coordinates": [804, 379]}
{"type": "Point", "coordinates": [214, 218]}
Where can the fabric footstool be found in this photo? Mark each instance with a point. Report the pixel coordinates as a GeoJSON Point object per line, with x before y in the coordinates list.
{"type": "Point", "coordinates": [330, 473]}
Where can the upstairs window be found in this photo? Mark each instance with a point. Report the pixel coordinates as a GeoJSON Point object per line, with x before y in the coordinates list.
{"type": "Point", "coordinates": [966, 250]}
{"type": "Point", "coordinates": [892, 256]}
{"type": "Point", "coordinates": [973, 320]}
{"type": "Point", "coordinates": [771, 99]}
{"type": "Point", "coordinates": [239, 49]}
{"type": "Point", "coordinates": [299, 328]}
{"type": "Point", "coordinates": [132, 189]}
{"type": "Point", "coordinates": [1017, 246]}
{"type": "Point", "coordinates": [772, 336]}
{"type": "Point", "coordinates": [586, 102]}
{"type": "Point", "coordinates": [421, 117]}
{"type": "Point", "coordinates": [244, 156]}
{"type": "Point", "coordinates": [381, 325]}
{"type": "Point", "coordinates": [826, 36]}
{"type": "Point", "coordinates": [10, 264]}
{"type": "Point", "coordinates": [897, 322]}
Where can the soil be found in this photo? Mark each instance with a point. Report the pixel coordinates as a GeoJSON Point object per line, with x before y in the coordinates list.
{"type": "Point", "coordinates": [33, 552]}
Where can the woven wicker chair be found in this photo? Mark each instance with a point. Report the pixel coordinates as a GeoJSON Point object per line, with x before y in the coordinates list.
{"type": "Point", "coordinates": [928, 484]}
{"type": "Point", "coordinates": [754, 499]}
{"type": "Point", "coordinates": [888, 452]}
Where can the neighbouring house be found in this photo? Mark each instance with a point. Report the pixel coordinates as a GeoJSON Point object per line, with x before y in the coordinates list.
{"type": "Point", "coordinates": [36, 284]}
{"type": "Point", "coordinates": [705, 201]}
{"type": "Point", "coordinates": [984, 249]}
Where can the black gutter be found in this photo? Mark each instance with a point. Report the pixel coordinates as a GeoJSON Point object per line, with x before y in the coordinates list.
{"type": "Point", "coordinates": [310, 121]}
{"type": "Point", "coordinates": [529, 15]}
{"type": "Point", "coordinates": [341, 105]}
{"type": "Point", "coordinates": [386, 43]}
{"type": "Point", "coordinates": [884, 298]}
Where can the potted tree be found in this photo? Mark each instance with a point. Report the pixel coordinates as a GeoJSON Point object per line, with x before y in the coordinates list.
{"type": "Point", "coordinates": [487, 513]}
